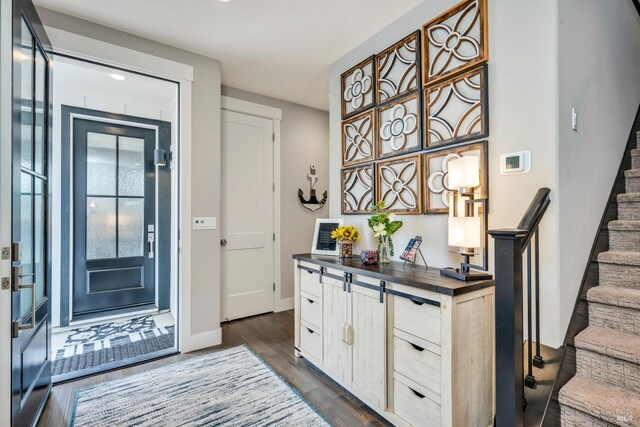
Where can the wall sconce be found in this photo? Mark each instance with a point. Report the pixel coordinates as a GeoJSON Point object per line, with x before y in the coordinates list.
{"type": "Point", "coordinates": [467, 223]}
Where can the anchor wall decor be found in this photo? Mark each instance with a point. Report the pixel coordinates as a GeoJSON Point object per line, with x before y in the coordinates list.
{"type": "Point", "coordinates": [313, 204]}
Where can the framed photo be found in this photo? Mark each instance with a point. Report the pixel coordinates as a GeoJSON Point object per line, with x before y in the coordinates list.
{"type": "Point", "coordinates": [436, 175]}
{"type": "Point", "coordinates": [323, 244]}
{"type": "Point", "coordinates": [410, 252]}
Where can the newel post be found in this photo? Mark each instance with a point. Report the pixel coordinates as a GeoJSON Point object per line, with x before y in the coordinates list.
{"type": "Point", "coordinates": [509, 335]}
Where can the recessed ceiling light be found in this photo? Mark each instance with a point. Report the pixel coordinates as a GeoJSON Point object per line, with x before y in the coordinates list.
{"type": "Point", "coordinates": [225, 1]}
{"type": "Point", "coordinates": [115, 76]}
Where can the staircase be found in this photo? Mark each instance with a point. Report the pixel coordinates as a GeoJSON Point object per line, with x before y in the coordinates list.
{"type": "Point", "coordinates": [606, 388]}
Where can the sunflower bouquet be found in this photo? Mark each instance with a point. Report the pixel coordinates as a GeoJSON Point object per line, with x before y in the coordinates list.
{"type": "Point", "coordinates": [346, 233]}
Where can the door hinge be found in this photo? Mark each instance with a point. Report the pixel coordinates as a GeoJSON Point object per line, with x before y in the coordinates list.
{"type": "Point", "coordinates": [274, 286]}
{"type": "Point", "coordinates": [274, 186]}
{"type": "Point", "coordinates": [274, 237]}
{"type": "Point", "coordinates": [6, 283]}
{"type": "Point", "coordinates": [6, 253]}
{"type": "Point", "coordinates": [15, 329]}
{"type": "Point", "coordinates": [273, 137]}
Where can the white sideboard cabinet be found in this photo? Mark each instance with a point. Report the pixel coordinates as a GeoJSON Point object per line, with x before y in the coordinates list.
{"type": "Point", "coordinates": [413, 345]}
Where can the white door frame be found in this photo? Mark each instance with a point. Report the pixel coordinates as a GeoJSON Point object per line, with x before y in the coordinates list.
{"type": "Point", "coordinates": [80, 47]}
{"type": "Point", "coordinates": [274, 114]}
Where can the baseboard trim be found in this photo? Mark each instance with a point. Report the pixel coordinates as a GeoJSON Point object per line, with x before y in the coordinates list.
{"type": "Point", "coordinates": [202, 340]}
{"type": "Point", "coordinates": [284, 305]}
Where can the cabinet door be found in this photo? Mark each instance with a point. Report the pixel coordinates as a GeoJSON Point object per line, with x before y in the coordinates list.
{"type": "Point", "coordinates": [335, 320]}
{"type": "Point", "coordinates": [369, 338]}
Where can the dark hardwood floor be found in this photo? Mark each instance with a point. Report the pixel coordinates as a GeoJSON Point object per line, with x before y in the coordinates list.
{"type": "Point", "coordinates": [271, 337]}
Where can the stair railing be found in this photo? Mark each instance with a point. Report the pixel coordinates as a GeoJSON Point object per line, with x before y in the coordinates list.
{"type": "Point", "coordinates": [510, 246]}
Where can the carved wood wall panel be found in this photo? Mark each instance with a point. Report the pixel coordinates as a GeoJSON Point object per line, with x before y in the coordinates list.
{"type": "Point", "coordinates": [397, 69]}
{"type": "Point", "coordinates": [359, 138]}
{"type": "Point", "coordinates": [357, 189]}
{"type": "Point", "coordinates": [436, 172]}
{"type": "Point", "coordinates": [399, 184]}
{"type": "Point", "coordinates": [456, 110]}
{"type": "Point", "coordinates": [399, 127]}
{"type": "Point", "coordinates": [358, 88]}
{"type": "Point", "coordinates": [455, 41]}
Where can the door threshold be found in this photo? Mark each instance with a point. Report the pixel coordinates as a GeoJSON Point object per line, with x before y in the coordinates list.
{"type": "Point", "coordinates": [112, 366]}
{"type": "Point", "coordinates": [114, 315]}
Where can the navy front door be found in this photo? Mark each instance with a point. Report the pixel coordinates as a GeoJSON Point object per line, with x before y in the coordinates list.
{"type": "Point", "coordinates": [114, 199]}
{"type": "Point", "coordinates": [30, 281]}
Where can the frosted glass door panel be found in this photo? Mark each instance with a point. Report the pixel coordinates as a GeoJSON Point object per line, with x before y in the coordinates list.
{"type": "Point", "coordinates": [131, 166]}
{"type": "Point", "coordinates": [130, 227]}
{"type": "Point", "coordinates": [101, 227]}
{"type": "Point", "coordinates": [101, 164]}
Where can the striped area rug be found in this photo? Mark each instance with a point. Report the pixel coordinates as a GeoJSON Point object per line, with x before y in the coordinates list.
{"type": "Point", "coordinates": [232, 387]}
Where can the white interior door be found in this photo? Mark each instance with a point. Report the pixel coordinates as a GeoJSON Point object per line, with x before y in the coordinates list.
{"type": "Point", "coordinates": [247, 224]}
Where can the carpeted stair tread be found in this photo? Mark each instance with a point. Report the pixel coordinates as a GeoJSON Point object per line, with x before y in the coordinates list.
{"type": "Point", "coordinates": [624, 225]}
{"type": "Point", "coordinates": [618, 257]}
{"type": "Point", "coordinates": [618, 297]}
{"type": "Point", "coordinates": [632, 173]}
{"type": "Point", "coordinates": [629, 198]}
{"type": "Point", "coordinates": [610, 342]}
{"type": "Point", "coordinates": [604, 401]}
{"type": "Point", "coordinates": [635, 152]}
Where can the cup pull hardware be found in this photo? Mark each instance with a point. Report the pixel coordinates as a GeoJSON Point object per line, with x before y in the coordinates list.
{"type": "Point", "coordinates": [416, 347]}
{"type": "Point", "coordinates": [419, 395]}
{"type": "Point", "coordinates": [310, 301]}
{"type": "Point", "coordinates": [417, 302]}
{"type": "Point", "coordinates": [310, 330]}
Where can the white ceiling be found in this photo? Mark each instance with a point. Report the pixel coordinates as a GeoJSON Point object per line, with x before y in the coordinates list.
{"type": "Point", "coordinates": [279, 48]}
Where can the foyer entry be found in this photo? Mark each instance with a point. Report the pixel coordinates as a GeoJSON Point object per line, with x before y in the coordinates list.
{"type": "Point", "coordinates": [114, 218]}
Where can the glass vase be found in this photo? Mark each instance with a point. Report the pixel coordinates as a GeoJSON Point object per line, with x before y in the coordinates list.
{"type": "Point", "coordinates": [384, 249]}
{"type": "Point", "coordinates": [346, 249]}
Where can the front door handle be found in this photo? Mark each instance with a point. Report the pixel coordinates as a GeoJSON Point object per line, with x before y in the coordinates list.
{"type": "Point", "coordinates": [223, 242]}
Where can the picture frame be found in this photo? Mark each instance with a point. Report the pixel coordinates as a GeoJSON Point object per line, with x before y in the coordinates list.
{"type": "Point", "coordinates": [439, 61]}
{"type": "Point", "coordinates": [399, 183]}
{"type": "Point", "coordinates": [399, 126]}
{"type": "Point", "coordinates": [456, 110]}
{"type": "Point", "coordinates": [322, 243]}
{"type": "Point", "coordinates": [358, 88]}
{"type": "Point", "coordinates": [359, 135]}
{"type": "Point", "coordinates": [358, 189]}
{"type": "Point", "coordinates": [411, 251]}
{"type": "Point", "coordinates": [434, 163]}
{"type": "Point", "coordinates": [398, 70]}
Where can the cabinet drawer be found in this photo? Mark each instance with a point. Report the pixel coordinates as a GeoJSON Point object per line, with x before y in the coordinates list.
{"type": "Point", "coordinates": [311, 341]}
{"type": "Point", "coordinates": [310, 282]}
{"type": "Point", "coordinates": [310, 310]}
{"type": "Point", "coordinates": [417, 362]}
{"type": "Point", "coordinates": [417, 318]}
{"type": "Point", "coordinates": [414, 405]}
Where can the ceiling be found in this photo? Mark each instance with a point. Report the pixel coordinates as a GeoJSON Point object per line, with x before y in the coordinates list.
{"type": "Point", "coordinates": [279, 48]}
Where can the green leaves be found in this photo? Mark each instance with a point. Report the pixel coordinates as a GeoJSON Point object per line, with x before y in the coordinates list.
{"type": "Point", "coordinates": [381, 218]}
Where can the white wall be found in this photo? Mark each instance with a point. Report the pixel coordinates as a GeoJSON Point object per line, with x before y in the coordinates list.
{"type": "Point", "coordinates": [599, 75]}
{"type": "Point", "coordinates": [304, 140]}
{"type": "Point", "coordinates": [523, 115]}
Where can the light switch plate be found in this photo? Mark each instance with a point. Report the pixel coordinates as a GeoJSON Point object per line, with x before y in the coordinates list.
{"type": "Point", "coordinates": [204, 223]}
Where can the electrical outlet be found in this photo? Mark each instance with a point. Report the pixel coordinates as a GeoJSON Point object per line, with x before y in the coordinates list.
{"type": "Point", "coordinates": [204, 223]}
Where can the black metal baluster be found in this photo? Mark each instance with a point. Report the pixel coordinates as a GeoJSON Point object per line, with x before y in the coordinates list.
{"type": "Point", "coordinates": [538, 361]}
{"type": "Point", "coordinates": [529, 380]}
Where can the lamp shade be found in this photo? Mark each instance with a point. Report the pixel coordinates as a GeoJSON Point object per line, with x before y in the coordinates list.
{"type": "Point", "coordinates": [464, 172]}
{"type": "Point", "coordinates": [465, 232]}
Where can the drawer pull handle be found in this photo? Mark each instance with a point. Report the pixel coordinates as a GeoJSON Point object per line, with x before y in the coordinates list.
{"type": "Point", "coordinates": [420, 395]}
{"type": "Point", "coordinates": [310, 301]}
{"type": "Point", "coordinates": [416, 347]}
{"type": "Point", "coordinates": [417, 302]}
{"type": "Point", "coordinates": [310, 330]}
{"type": "Point", "coordinates": [310, 271]}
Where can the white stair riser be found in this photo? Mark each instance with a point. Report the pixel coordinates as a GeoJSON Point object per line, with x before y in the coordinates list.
{"type": "Point", "coordinates": [613, 317]}
{"type": "Point", "coordinates": [624, 240]}
{"type": "Point", "coordinates": [573, 418]}
{"type": "Point", "coordinates": [624, 276]}
{"type": "Point", "coordinates": [629, 211]}
{"type": "Point", "coordinates": [620, 373]}
{"type": "Point", "coordinates": [633, 184]}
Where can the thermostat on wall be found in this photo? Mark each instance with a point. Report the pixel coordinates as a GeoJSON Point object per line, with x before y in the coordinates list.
{"type": "Point", "coordinates": [515, 163]}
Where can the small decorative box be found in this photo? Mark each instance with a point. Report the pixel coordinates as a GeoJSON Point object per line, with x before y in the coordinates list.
{"type": "Point", "coordinates": [369, 256]}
